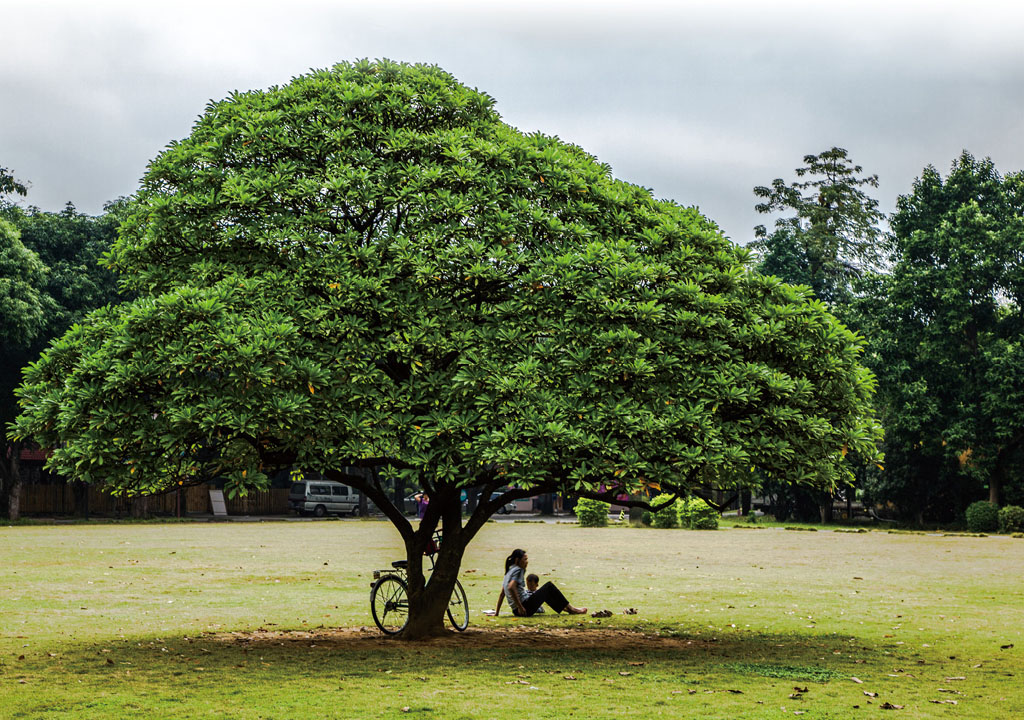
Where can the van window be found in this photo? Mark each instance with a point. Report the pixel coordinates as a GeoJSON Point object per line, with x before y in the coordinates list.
{"type": "Point", "coordinates": [298, 488]}
{"type": "Point", "coordinates": [319, 489]}
{"type": "Point", "coordinates": [341, 490]}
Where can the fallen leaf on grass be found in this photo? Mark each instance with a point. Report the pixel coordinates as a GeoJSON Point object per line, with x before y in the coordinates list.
{"type": "Point", "coordinates": [857, 680]}
{"type": "Point", "coordinates": [950, 690]}
{"type": "Point", "coordinates": [799, 689]}
{"type": "Point", "coordinates": [406, 709]}
{"type": "Point", "coordinates": [890, 706]}
{"type": "Point", "coordinates": [958, 677]}
{"type": "Point", "coordinates": [944, 702]}
{"type": "Point", "coordinates": [632, 611]}
{"type": "Point", "coordinates": [1006, 647]}
{"type": "Point", "coordinates": [871, 694]}
{"type": "Point", "coordinates": [625, 673]}
{"type": "Point", "coordinates": [601, 613]}
{"type": "Point", "coordinates": [570, 677]}
{"type": "Point", "coordinates": [637, 664]}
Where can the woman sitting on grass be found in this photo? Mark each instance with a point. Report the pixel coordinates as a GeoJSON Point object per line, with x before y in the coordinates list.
{"type": "Point", "coordinates": [523, 602]}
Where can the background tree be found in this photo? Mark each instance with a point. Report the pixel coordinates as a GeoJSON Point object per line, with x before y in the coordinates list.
{"type": "Point", "coordinates": [367, 267]}
{"type": "Point", "coordinates": [947, 330]}
{"type": "Point", "coordinates": [9, 186]}
{"type": "Point", "coordinates": [49, 279]}
{"type": "Point", "coordinates": [23, 309]}
{"type": "Point", "coordinates": [831, 240]}
{"type": "Point", "coordinates": [833, 234]}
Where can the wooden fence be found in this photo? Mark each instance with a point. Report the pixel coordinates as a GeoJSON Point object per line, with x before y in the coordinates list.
{"type": "Point", "coordinates": [58, 498]}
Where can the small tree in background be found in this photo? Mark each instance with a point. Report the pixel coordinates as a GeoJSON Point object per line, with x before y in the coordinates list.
{"type": "Point", "coordinates": [833, 233]}
{"type": "Point", "coordinates": [1011, 519]}
{"type": "Point", "coordinates": [668, 514]}
{"type": "Point", "coordinates": [696, 514]}
{"type": "Point", "coordinates": [982, 516]}
{"type": "Point", "coordinates": [592, 513]}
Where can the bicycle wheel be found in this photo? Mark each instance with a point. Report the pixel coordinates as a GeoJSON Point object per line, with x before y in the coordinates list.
{"type": "Point", "coordinates": [458, 608]}
{"type": "Point", "coordinates": [389, 602]}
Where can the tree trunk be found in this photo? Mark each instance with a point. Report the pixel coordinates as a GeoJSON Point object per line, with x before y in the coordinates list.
{"type": "Point", "coordinates": [140, 506]}
{"type": "Point", "coordinates": [995, 482]}
{"type": "Point", "coordinates": [636, 514]}
{"type": "Point", "coordinates": [547, 504]}
{"type": "Point", "coordinates": [80, 492]}
{"type": "Point", "coordinates": [14, 494]}
{"type": "Point", "coordinates": [745, 501]}
{"type": "Point", "coordinates": [428, 598]}
{"type": "Point", "coordinates": [825, 507]}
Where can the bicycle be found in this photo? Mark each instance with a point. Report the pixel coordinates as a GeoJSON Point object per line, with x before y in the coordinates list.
{"type": "Point", "coordinates": [389, 596]}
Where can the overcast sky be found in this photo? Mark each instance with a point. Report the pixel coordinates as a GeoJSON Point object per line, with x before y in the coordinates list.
{"type": "Point", "coordinates": [698, 101]}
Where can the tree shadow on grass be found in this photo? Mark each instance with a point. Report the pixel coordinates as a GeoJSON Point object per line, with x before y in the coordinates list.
{"type": "Point", "coordinates": [514, 644]}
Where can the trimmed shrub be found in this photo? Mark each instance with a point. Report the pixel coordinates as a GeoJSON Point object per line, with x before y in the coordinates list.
{"type": "Point", "coordinates": [1011, 519]}
{"type": "Point", "coordinates": [592, 513]}
{"type": "Point", "coordinates": [982, 516]}
{"type": "Point", "coordinates": [667, 517]}
{"type": "Point", "coordinates": [696, 514]}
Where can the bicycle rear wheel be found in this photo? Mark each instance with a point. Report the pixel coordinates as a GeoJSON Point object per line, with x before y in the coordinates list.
{"type": "Point", "coordinates": [389, 603]}
{"type": "Point", "coordinates": [458, 608]}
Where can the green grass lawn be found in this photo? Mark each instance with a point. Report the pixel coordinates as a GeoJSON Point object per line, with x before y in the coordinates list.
{"type": "Point", "coordinates": [271, 620]}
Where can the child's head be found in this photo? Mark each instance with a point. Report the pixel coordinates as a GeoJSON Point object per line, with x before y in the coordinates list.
{"type": "Point", "coordinates": [532, 581]}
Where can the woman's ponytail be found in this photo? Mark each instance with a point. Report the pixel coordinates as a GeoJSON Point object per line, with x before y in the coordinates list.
{"type": "Point", "coordinates": [513, 558]}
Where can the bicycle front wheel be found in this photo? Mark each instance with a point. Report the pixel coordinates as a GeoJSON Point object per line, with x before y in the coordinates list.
{"type": "Point", "coordinates": [458, 608]}
{"type": "Point", "coordinates": [389, 602]}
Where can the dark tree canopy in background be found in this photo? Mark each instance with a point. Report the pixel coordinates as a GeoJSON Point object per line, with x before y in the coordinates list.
{"type": "Point", "coordinates": [947, 340]}
{"type": "Point", "coordinates": [367, 267]}
{"type": "Point", "coordinates": [49, 279]}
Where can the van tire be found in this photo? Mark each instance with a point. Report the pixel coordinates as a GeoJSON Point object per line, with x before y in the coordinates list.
{"type": "Point", "coordinates": [319, 511]}
{"type": "Point", "coordinates": [355, 511]}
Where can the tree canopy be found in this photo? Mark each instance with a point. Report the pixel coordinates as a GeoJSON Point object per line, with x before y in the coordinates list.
{"type": "Point", "coordinates": [23, 304]}
{"type": "Point", "coordinates": [833, 235]}
{"type": "Point", "coordinates": [947, 331]}
{"type": "Point", "coordinates": [49, 278]}
{"type": "Point", "coordinates": [367, 267]}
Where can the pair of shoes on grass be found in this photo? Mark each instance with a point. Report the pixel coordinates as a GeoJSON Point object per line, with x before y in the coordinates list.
{"type": "Point", "coordinates": [608, 613]}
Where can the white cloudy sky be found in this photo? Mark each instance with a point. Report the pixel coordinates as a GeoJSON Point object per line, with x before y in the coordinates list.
{"type": "Point", "coordinates": [698, 101]}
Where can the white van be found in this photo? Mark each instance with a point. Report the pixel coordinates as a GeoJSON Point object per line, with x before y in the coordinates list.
{"type": "Point", "coordinates": [321, 497]}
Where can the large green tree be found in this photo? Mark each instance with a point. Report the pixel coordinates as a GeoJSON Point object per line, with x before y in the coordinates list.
{"type": "Point", "coordinates": [948, 339]}
{"type": "Point", "coordinates": [830, 231]}
{"type": "Point", "coordinates": [367, 267]}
